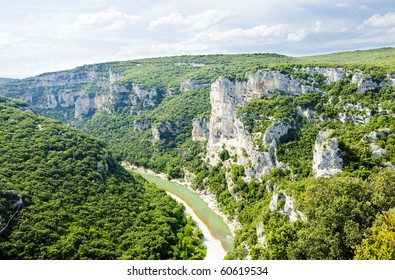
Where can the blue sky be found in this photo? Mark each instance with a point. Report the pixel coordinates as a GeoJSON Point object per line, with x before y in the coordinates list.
{"type": "Point", "coordinates": [39, 36]}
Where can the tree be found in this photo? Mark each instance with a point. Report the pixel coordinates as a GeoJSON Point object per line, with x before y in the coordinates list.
{"type": "Point", "coordinates": [379, 241]}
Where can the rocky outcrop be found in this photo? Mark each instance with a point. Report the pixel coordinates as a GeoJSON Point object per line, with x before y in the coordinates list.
{"type": "Point", "coordinates": [141, 125]}
{"type": "Point", "coordinates": [86, 106]}
{"type": "Point", "coordinates": [144, 98]}
{"type": "Point", "coordinates": [163, 131]}
{"type": "Point", "coordinates": [227, 131]}
{"type": "Point", "coordinates": [259, 233]}
{"type": "Point", "coordinates": [49, 102]}
{"type": "Point", "coordinates": [155, 134]}
{"type": "Point", "coordinates": [66, 100]}
{"type": "Point", "coordinates": [200, 129]}
{"type": "Point", "coordinates": [263, 83]}
{"type": "Point", "coordinates": [366, 85]}
{"type": "Point", "coordinates": [288, 208]}
{"type": "Point", "coordinates": [356, 114]}
{"type": "Point", "coordinates": [120, 94]}
{"type": "Point", "coordinates": [377, 151]}
{"type": "Point", "coordinates": [375, 136]}
{"type": "Point", "coordinates": [307, 114]}
{"type": "Point", "coordinates": [193, 83]}
{"type": "Point", "coordinates": [331, 74]}
{"type": "Point", "coordinates": [85, 89]}
{"type": "Point", "coordinates": [81, 75]}
{"type": "Point", "coordinates": [365, 82]}
{"type": "Point", "coordinates": [326, 158]}
{"type": "Point", "coordinates": [275, 132]}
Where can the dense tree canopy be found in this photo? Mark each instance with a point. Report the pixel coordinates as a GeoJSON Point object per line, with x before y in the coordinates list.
{"type": "Point", "coordinates": [78, 203]}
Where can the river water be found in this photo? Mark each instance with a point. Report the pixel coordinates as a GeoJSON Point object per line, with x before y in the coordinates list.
{"type": "Point", "coordinates": [215, 224]}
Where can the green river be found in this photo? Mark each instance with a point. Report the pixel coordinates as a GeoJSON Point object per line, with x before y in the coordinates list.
{"type": "Point", "coordinates": [214, 223]}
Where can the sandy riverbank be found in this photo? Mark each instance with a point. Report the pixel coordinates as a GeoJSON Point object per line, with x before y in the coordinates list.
{"type": "Point", "coordinates": [215, 250]}
{"type": "Point", "coordinates": [207, 197]}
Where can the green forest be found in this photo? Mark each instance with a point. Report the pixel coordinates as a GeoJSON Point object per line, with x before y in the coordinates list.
{"type": "Point", "coordinates": [78, 202]}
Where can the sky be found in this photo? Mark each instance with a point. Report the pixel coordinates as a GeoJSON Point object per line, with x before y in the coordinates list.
{"type": "Point", "coordinates": [38, 36]}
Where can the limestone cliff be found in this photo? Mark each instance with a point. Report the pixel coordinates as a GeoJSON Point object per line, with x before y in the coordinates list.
{"type": "Point", "coordinates": [86, 105]}
{"type": "Point", "coordinates": [327, 155]}
{"type": "Point", "coordinates": [161, 131]}
{"type": "Point", "coordinates": [85, 90]}
{"type": "Point", "coordinates": [227, 131]}
{"type": "Point", "coordinates": [200, 129]}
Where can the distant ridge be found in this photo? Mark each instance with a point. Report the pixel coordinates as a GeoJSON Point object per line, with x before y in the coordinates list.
{"type": "Point", "coordinates": [5, 80]}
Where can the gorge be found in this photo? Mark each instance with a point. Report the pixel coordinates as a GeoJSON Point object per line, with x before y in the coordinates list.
{"type": "Point", "coordinates": [300, 151]}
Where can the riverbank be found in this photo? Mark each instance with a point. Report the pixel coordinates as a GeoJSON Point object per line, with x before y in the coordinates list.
{"type": "Point", "coordinates": [205, 195]}
{"type": "Point", "coordinates": [215, 250]}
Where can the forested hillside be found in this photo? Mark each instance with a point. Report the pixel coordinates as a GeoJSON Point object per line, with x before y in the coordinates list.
{"type": "Point", "coordinates": [300, 150]}
{"type": "Point", "coordinates": [63, 196]}
{"type": "Point", "coordinates": [5, 80]}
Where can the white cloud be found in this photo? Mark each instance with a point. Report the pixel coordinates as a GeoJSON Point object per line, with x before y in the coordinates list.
{"type": "Point", "coordinates": [8, 40]}
{"type": "Point", "coordinates": [107, 20]}
{"type": "Point", "coordinates": [152, 49]}
{"type": "Point", "coordinates": [318, 25]}
{"type": "Point", "coordinates": [194, 22]}
{"type": "Point", "coordinates": [297, 36]}
{"type": "Point", "coordinates": [387, 20]}
{"type": "Point", "coordinates": [206, 42]}
{"type": "Point", "coordinates": [243, 35]}
{"type": "Point", "coordinates": [341, 5]}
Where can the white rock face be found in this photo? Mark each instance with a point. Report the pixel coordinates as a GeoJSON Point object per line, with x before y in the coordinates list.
{"type": "Point", "coordinates": [163, 130]}
{"type": "Point", "coordinates": [366, 85]}
{"type": "Point", "coordinates": [227, 131]}
{"type": "Point", "coordinates": [355, 113]}
{"type": "Point", "coordinates": [373, 137]}
{"type": "Point", "coordinates": [51, 101]}
{"type": "Point", "coordinates": [390, 82]}
{"type": "Point", "coordinates": [193, 83]}
{"type": "Point", "coordinates": [357, 77]}
{"type": "Point", "coordinates": [48, 101]}
{"type": "Point", "coordinates": [155, 134]}
{"type": "Point", "coordinates": [200, 129]}
{"type": "Point", "coordinates": [259, 234]}
{"type": "Point", "coordinates": [376, 135]}
{"type": "Point", "coordinates": [144, 97]}
{"type": "Point", "coordinates": [68, 99]}
{"type": "Point", "coordinates": [275, 131]}
{"type": "Point", "coordinates": [331, 74]}
{"type": "Point", "coordinates": [326, 159]}
{"type": "Point", "coordinates": [288, 206]}
{"type": "Point", "coordinates": [270, 82]}
{"type": "Point", "coordinates": [377, 151]}
{"type": "Point", "coordinates": [85, 105]}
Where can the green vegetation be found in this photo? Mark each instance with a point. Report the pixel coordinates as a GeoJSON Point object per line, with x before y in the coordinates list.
{"type": "Point", "coordinates": [78, 202]}
{"type": "Point", "coordinates": [175, 147]}
{"type": "Point", "coordinates": [379, 241]}
{"type": "Point", "coordinates": [347, 216]}
{"type": "Point", "coordinates": [377, 58]}
{"type": "Point", "coordinates": [340, 211]}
